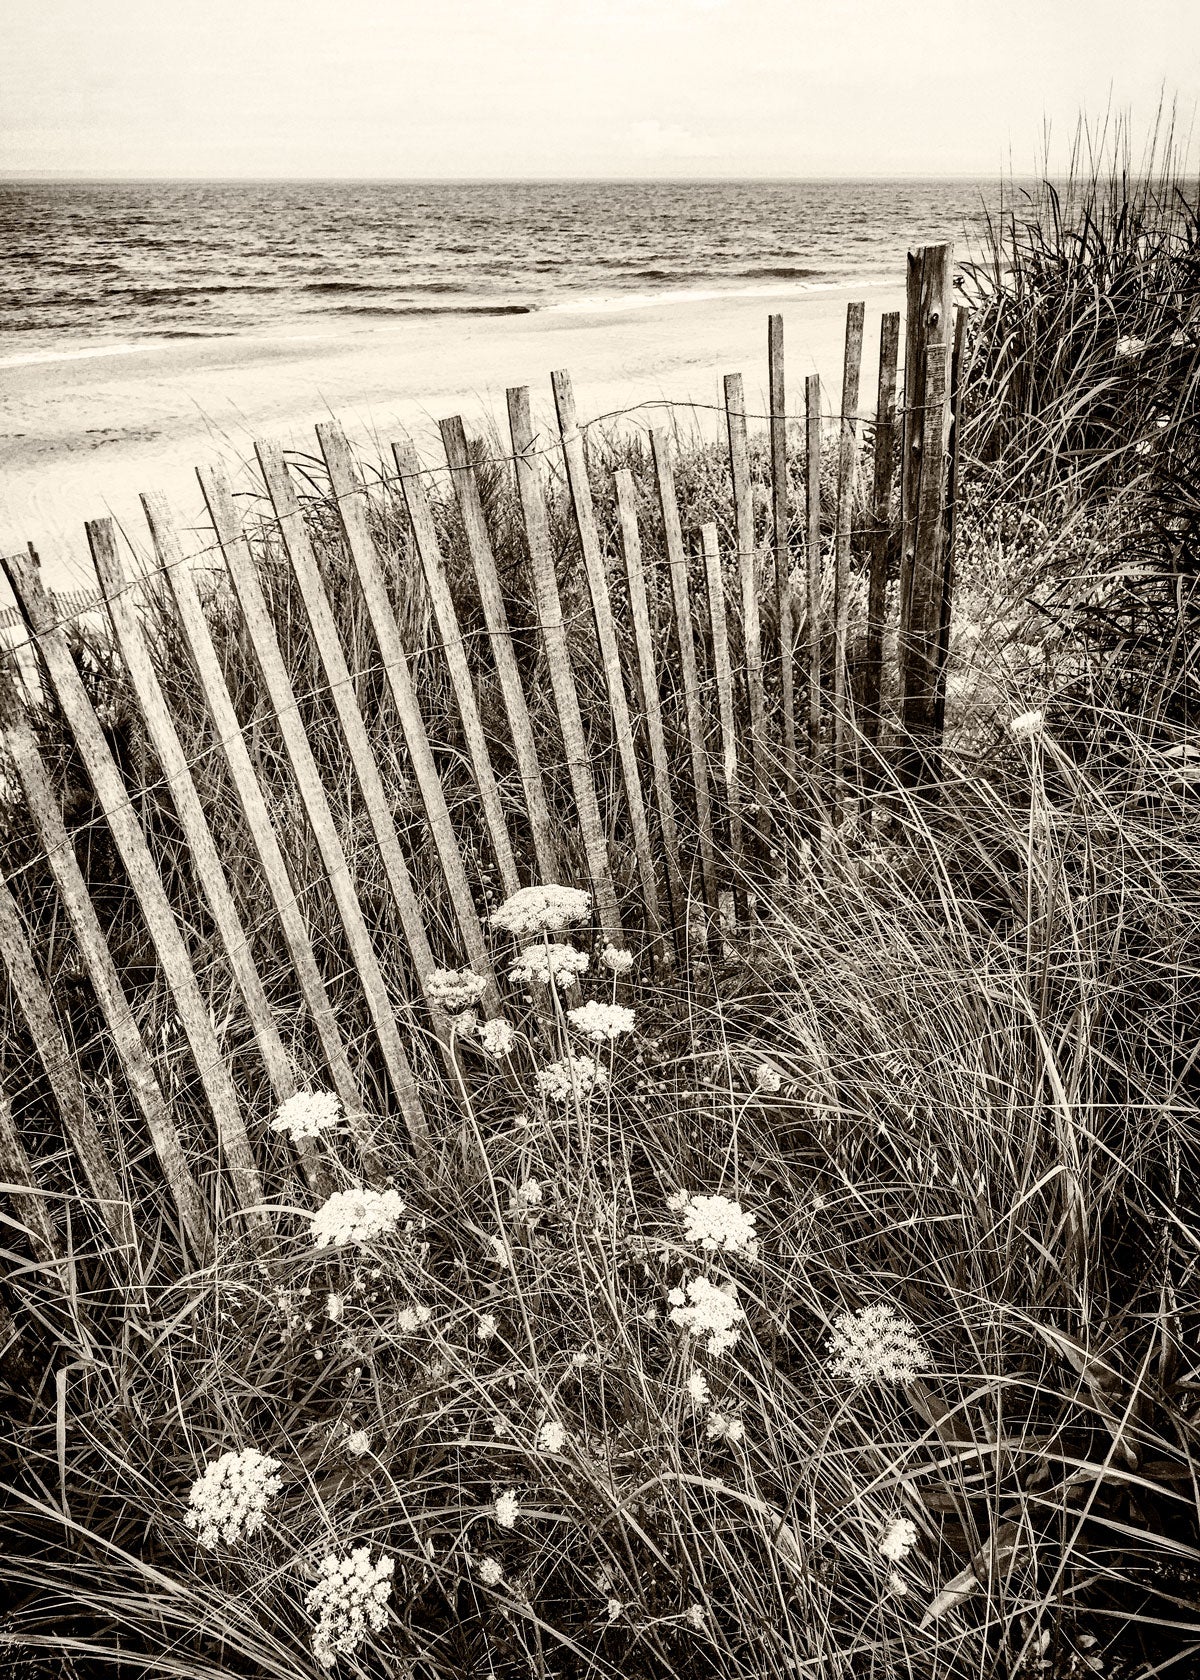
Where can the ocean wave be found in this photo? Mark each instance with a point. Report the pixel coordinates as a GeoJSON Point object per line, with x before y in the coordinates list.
{"type": "Point", "coordinates": [28, 358]}
{"type": "Point", "coordinates": [614, 302]}
{"type": "Point", "coordinates": [433, 309]}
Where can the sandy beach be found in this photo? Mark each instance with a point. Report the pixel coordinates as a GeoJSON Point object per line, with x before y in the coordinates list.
{"type": "Point", "coordinates": [84, 431]}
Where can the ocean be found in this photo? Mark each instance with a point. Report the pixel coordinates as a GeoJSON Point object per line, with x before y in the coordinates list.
{"type": "Point", "coordinates": [91, 266]}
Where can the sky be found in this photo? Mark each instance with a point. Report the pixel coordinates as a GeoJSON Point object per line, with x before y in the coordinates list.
{"type": "Point", "coordinates": [520, 88]}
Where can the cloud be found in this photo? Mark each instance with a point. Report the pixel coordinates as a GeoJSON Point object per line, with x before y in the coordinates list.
{"type": "Point", "coordinates": [652, 138]}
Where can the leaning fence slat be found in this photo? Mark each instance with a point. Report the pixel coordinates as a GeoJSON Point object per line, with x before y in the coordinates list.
{"type": "Point", "coordinates": [97, 958]}
{"type": "Point", "coordinates": [847, 465]}
{"type": "Point", "coordinates": [148, 888]}
{"type": "Point", "coordinates": [812, 550]}
{"type": "Point", "coordinates": [610, 657]}
{"type": "Point", "coordinates": [668, 501]}
{"type": "Point", "coordinates": [631, 546]}
{"type": "Point", "coordinates": [218, 497]}
{"type": "Point", "coordinates": [204, 855]}
{"type": "Point", "coordinates": [780, 518]}
{"type": "Point", "coordinates": [429, 551]}
{"type": "Point", "coordinates": [921, 672]}
{"type": "Point", "coordinates": [881, 503]}
{"type": "Point", "coordinates": [483, 559]}
{"type": "Point", "coordinates": [723, 674]}
{"type": "Point", "coordinates": [62, 1075]}
{"type": "Point", "coordinates": [558, 660]}
{"type": "Point", "coordinates": [362, 756]}
{"type": "Point", "coordinates": [743, 521]}
{"type": "Point", "coordinates": [29, 1203]}
{"type": "Point", "coordinates": [228, 732]}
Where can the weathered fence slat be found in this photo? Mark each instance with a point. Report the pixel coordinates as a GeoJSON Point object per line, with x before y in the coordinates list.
{"type": "Point", "coordinates": [921, 671]}
{"type": "Point", "coordinates": [723, 676]}
{"type": "Point", "coordinates": [429, 551]}
{"type": "Point", "coordinates": [881, 502]}
{"type": "Point", "coordinates": [812, 555]}
{"type": "Point", "coordinates": [97, 958]}
{"type": "Point", "coordinates": [218, 497]}
{"type": "Point", "coordinates": [483, 560]}
{"type": "Point", "coordinates": [743, 522]}
{"type": "Point", "coordinates": [780, 519]}
{"type": "Point", "coordinates": [144, 878]}
{"type": "Point", "coordinates": [610, 657]}
{"type": "Point", "coordinates": [951, 506]}
{"type": "Point", "coordinates": [847, 464]}
{"type": "Point", "coordinates": [31, 1208]}
{"type": "Point", "coordinates": [668, 503]}
{"type": "Point", "coordinates": [63, 1077]}
{"type": "Point", "coordinates": [362, 757]}
{"type": "Point", "coordinates": [631, 547]}
{"type": "Point", "coordinates": [228, 733]}
{"type": "Point", "coordinates": [204, 855]}
{"type": "Point", "coordinates": [558, 659]}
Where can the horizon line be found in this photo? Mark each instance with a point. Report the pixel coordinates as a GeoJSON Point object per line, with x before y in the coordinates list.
{"type": "Point", "coordinates": [36, 177]}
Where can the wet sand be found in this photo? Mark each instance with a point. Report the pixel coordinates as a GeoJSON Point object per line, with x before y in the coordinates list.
{"type": "Point", "coordinates": [82, 435]}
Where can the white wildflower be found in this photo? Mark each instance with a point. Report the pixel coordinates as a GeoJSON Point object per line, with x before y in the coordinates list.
{"type": "Point", "coordinates": [697, 1387]}
{"type": "Point", "coordinates": [543, 963]}
{"type": "Point", "coordinates": [507, 1509]}
{"type": "Point", "coordinates": [876, 1344]}
{"type": "Point", "coordinates": [613, 1609]}
{"type": "Point", "coordinates": [542, 910]}
{"type": "Point", "coordinates": [768, 1079]}
{"type": "Point", "coordinates": [552, 1437]}
{"type": "Point", "coordinates": [228, 1502]}
{"type": "Point", "coordinates": [357, 1216]}
{"type": "Point", "coordinates": [1029, 724]}
{"type": "Point", "coordinates": [720, 1426]}
{"type": "Point", "coordinates": [349, 1599]}
{"type": "Point", "coordinates": [358, 1442]}
{"type": "Point", "coordinates": [487, 1327]}
{"type": "Point", "coordinates": [455, 989]}
{"type": "Point", "coordinates": [490, 1571]}
{"type": "Point", "coordinates": [616, 960]}
{"type": "Point", "coordinates": [898, 1539]}
{"type": "Point", "coordinates": [677, 1201]}
{"type": "Point", "coordinates": [704, 1308]}
{"type": "Point", "coordinates": [716, 1222]}
{"type": "Point", "coordinates": [497, 1037]}
{"type": "Point", "coordinates": [410, 1319]}
{"type": "Point", "coordinates": [307, 1114]}
{"type": "Point", "coordinates": [335, 1306]}
{"type": "Point", "coordinates": [897, 1584]}
{"type": "Point", "coordinates": [1129, 347]}
{"type": "Point", "coordinates": [573, 1076]}
{"type": "Point", "coordinates": [695, 1615]}
{"type": "Point", "coordinates": [601, 1021]}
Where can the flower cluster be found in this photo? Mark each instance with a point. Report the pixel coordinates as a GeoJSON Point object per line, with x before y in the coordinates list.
{"type": "Point", "coordinates": [356, 1216]}
{"type": "Point", "coordinates": [768, 1079]}
{"type": "Point", "coordinates": [228, 1502]}
{"type": "Point", "coordinates": [542, 910]}
{"type": "Point", "coordinates": [876, 1344]}
{"type": "Point", "coordinates": [1128, 348]}
{"type": "Point", "coordinates": [561, 963]}
{"type": "Point", "coordinates": [715, 1222]}
{"type": "Point", "coordinates": [616, 960]}
{"type": "Point", "coordinates": [600, 1021]}
{"type": "Point", "coordinates": [898, 1539]}
{"type": "Point", "coordinates": [573, 1076]}
{"type": "Point", "coordinates": [307, 1114]}
{"type": "Point", "coordinates": [722, 1426]}
{"type": "Point", "coordinates": [552, 1437]}
{"type": "Point", "coordinates": [507, 1509]}
{"type": "Point", "coordinates": [349, 1598]}
{"type": "Point", "coordinates": [1025, 727]}
{"type": "Point", "coordinates": [455, 989]}
{"type": "Point", "coordinates": [491, 1573]}
{"type": "Point", "coordinates": [704, 1308]}
{"type": "Point", "coordinates": [497, 1037]}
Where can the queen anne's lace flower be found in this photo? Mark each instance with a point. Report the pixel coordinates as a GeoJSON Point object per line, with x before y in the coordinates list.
{"type": "Point", "coordinates": [616, 960]}
{"type": "Point", "coordinates": [720, 1426]}
{"type": "Point", "coordinates": [410, 1319]}
{"type": "Point", "coordinates": [600, 1021]}
{"type": "Point", "coordinates": [507, 1509]}
{"type": "Point", "coordinates": [1129, 347]}
{"type": "Point", "coordinates": [574, 1075]}
{"type": "Point", "coordinates": [358, 1442]}
{"type": "Point", "coordinates": [898, 1539]}
{"type": "Point", "coordinates": [487, 1327]}
{"type": "Point", "coordinates": [228, 1502]}
{"type": "Point", "coordinates": [530, 1194]}
{"type": "Point", "coordinates": [357, 1216]}
{"type": "Point", "coordinates": [455, 989]}
{"type": "Point", "coordinates": [543, 963]}
{"type": "Point", "coordinates": [552, 1437]}
{"type": "Point", "coordinates": [542, 910]}
{"type": "Point", "coordinates": [716, 1222]}
{"type": "Point", "coordinates": [349, 1599]}
{"type": "Point", "coordinates": [497, 1037]}
{"type": "Point", "coordinates": [768, 1079]}
{"type": "Point", "coordinates": [704, 1308]}
{"type": "Point", "coordinates": [307, 1114]}
{"type": "Point", "coordinates": [490, 1571]}
{"type": "Point", "coordinates": [876, 1344]}
{"type": "Point", "coordinates": [697, 1386]}
{"type": "Point", "coordinates": [1029, 724]}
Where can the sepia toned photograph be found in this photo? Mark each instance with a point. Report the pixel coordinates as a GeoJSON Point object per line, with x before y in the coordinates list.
{"type": "Point", "coordinates": [600, 840]}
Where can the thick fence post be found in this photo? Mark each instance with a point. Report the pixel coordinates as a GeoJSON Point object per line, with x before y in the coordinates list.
{"type": "Point", "coordinates": [881, 502]}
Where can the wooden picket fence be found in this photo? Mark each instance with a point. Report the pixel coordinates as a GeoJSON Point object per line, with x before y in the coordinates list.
{"type": "Point", "coordinates": [700, 825]}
